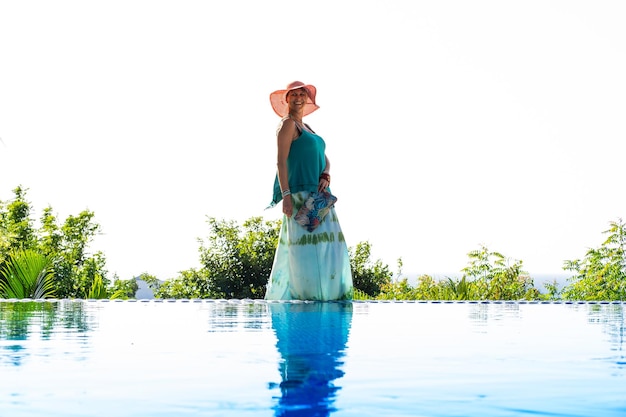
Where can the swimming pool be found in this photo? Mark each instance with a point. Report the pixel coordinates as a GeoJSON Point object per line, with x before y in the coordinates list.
{"type": "Point", "coordinates": [255, 358]}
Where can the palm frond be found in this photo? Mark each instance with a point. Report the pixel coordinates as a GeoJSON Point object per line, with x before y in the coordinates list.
{"type": "Point", "coordinates": [27, 274]}
{"type": "Point", "coordinates": [98, 290]}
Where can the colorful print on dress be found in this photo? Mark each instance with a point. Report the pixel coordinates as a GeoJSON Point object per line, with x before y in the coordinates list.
{"type": "Point", "coordinates": [314, 209]}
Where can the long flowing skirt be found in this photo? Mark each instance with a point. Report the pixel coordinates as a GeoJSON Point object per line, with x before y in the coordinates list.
{"type": "Point", "coordinates": [310, 265]}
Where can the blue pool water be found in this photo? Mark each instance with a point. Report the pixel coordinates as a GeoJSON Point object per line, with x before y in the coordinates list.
{"type": "Point", "coordinates": [253, 358]}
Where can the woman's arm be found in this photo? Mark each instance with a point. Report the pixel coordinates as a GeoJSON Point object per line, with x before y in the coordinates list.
{"type": "Point", "coordinates": [324, 181]}
{"type": "Point", "coordinates": [285, 136]}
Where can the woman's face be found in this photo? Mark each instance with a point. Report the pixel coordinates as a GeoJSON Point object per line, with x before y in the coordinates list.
{"type": "Point", "coordinates": [297, 98]}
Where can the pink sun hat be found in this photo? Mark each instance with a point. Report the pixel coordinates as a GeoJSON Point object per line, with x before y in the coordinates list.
{"type": "Point", "coordinates": [279, 99]}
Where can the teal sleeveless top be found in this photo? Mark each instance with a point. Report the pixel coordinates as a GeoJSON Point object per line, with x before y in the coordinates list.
{"type": "Point", "coordinates": [305, 163]}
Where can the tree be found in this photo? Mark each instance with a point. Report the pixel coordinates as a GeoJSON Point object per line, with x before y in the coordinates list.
{"type": "Point", "coordinates": [75, 270]}
{"type": "Point", "coordinates": [494, 277]}
{"type": "Point", "coordinates": [65, 244]}
{"type": "Point", "coordinates": [601, 274]}
{"type": "Point", "coordinates": [124, 288]}
{"type": "Point", "coordinates": [236, 262]}
{"type": "Point", "coordinates": [488, 276]}
{"type": "Point", "coordinates": [192, 283]}
{"type": "Point", "coordinates": [16, 226]}
{"type": "Point", "coordinates": [367, 276]}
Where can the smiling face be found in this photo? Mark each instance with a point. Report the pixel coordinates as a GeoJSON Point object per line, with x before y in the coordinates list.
{"type": "Point", "coordinates": [297, 99]}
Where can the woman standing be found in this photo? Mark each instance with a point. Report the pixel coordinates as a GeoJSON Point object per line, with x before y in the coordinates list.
{"type": "Point", "coordinates": [308, 265]}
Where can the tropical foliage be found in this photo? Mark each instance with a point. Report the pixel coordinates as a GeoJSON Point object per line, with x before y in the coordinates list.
{"type": "Point", "coordinates": [496, 277]}
{"type": "Point", "coordinates": [26, 274]}
{"type": "Point", "coordinates": [237, 261]}
{"type": "Point", "coordinates": [488, 276]}
{"type": "Point", "coordinates": [123, 289]}
{"type": "Point", "coordinates": [71, 272]}
{"type": "Point", "coordinates": [601, 274]}
{"type": "Point", "coordinates": [367, 276]}
{"type": "Point", "coordinates": [51, 258]}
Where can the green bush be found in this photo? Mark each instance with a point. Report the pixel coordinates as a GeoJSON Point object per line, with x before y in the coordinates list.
{"type": "Point", "coordinates": [601, 274]}
{"type": "Point", "coordinates": [367, 276]}
{"type": "Point", "coordinates": [488, 276]}
{"type": "Point", "coordinates": [74, 270]}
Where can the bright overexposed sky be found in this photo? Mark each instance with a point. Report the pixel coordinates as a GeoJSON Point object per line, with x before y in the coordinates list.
{"type": "Point", "coordinates": [448, 124]}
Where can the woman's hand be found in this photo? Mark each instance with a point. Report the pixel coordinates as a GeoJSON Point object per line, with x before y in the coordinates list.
{"type": "Point", "coordinates": [287, 206]}
{"type": "Point", "coordinates": [324, 183]}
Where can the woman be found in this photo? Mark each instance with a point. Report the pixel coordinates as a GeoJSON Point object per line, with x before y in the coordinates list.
{"type": "Point", "coordinates": [308, 265]}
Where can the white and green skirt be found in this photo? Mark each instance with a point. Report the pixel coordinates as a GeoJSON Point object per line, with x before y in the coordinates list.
{"type": "Point", "coordinates": [310, 265]}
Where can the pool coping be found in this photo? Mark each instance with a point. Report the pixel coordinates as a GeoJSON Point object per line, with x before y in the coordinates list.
{"type": "Point", "coordinates": [260, 301]}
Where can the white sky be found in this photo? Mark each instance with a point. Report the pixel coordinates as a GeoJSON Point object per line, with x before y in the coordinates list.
{"type": "Point", "coordinates": [449, 124]}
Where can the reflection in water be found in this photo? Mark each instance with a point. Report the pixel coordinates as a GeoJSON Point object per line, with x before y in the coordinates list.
{"type": "Point", "coordinates": [612, 318]}
{"type": "Point", "coordinates": [21, 321]}
{"type": "Point", "coordinates": [236, 317]}
{"type": "Point", "coordinates": [312, 339]}
{"type": "Point", "coordinates": [481, 314]}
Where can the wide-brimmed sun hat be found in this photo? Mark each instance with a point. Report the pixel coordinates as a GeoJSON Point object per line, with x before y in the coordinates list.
{"type": "Point", "coordinates": [279, 99]}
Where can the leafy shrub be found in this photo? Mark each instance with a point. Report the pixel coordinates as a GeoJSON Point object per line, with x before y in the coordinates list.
{"type": "Point", "coordinates": [488, 276]}
{"type": "Point", "coordinates": [601, 274]}
{"type": "Point", "coordinates": [367, 276]}
{"type": "Point", "coordinates": [64, 243]}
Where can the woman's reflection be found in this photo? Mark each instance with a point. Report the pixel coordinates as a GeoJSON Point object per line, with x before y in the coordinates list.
{"type": "Point", "coordinates": [312, 338]}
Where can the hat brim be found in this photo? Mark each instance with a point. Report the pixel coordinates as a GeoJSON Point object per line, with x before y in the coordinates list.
{"type": "Point", "coordinates": [278, 99]}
